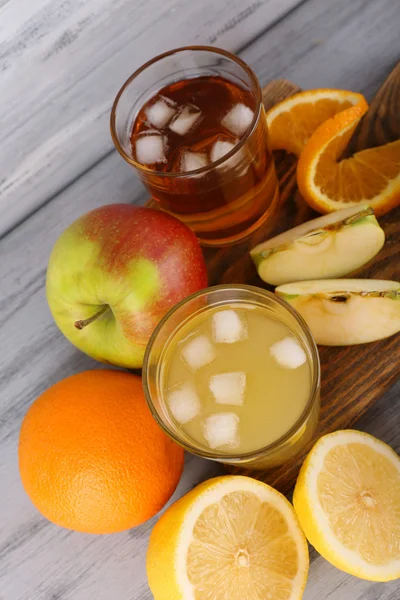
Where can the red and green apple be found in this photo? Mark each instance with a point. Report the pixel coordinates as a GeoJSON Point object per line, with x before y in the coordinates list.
{"type": "Point", "coordinates": [114, 273]}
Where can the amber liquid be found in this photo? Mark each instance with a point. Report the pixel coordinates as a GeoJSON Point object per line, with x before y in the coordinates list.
{"type": "Point", "coordinates": [225, 201]}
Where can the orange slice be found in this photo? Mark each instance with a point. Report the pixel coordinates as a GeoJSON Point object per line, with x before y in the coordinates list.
{"type": "Point", "coordinates": [292, 122]}
{"type": "Point", "coordinates": [370, 176]}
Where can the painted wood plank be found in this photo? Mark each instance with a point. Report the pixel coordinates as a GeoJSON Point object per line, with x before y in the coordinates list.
{"type": "Point", "coordinates": [37, 559]}
{"type": "Point", "coordinates": [62, 63]}
{"type": "Point", "coordinates": [348, 45]}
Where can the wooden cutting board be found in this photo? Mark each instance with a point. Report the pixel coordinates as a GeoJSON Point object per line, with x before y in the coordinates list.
{"type": "Point", "coordinates": [353, 377]}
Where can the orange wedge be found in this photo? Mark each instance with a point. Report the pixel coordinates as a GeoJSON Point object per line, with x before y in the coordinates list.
{"type": "Point", "coordinates": [370, 176]}
{"type": "Point", "coordinates": [292, 122]}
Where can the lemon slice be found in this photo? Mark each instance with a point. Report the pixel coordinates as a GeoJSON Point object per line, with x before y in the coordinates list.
{"type": "Point", "coordinates": [347, 498]}
{"type": "Point", "coordinates": [230, 537]}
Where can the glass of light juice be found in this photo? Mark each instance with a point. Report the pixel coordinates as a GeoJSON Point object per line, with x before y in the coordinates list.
{"type": "Point", "coordinates": [232, 374]}
{"type": "Point", "coordinates": [192, 123]}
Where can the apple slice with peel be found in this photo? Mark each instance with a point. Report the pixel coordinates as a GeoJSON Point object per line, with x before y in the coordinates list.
{"type": "Point", "coordinates": [330, 246]}
{"type": "Point", "coordinates": [342, 312]}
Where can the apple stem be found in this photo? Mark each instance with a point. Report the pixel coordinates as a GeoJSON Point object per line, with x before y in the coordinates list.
{"type": "Point", "coordinates": [83, 322]}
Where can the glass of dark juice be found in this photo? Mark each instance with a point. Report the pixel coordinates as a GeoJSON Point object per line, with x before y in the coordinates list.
{"type": "Point", "coordinates": [192, 122]}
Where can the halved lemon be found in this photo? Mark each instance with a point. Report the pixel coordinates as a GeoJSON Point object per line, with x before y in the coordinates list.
{"type": "Point", "coordinates": [347, 498]}
{"type": "Point", "coordinates": [292, 121]}
{"type": "Point", "coordinates": [370, 176]}
{"type": "Point", "coordinates": [230, 537]}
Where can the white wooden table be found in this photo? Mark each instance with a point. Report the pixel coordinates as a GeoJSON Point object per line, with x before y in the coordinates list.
{"type": "Point", "coordinates": [61, 63]}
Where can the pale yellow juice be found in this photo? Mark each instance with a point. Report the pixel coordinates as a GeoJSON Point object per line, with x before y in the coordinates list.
{"type": "Point", "coordinates": [235, 382]}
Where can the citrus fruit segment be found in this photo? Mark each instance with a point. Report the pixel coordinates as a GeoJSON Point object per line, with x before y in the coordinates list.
{"type": "Point", "coordinates": [347, 498]}
{"type": "Point", "coordinates": [329, 246]}
{"type": "Point", "coordinates": [342, 312]}
{"type": "Point", "coordinates": [370, 176]}
{"type": "Point", "coordinates": [230, 537]}
{"type": "Point", "coordinates": [292, 121]}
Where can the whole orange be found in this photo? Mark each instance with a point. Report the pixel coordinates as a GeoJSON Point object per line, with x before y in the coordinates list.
{"type": "Point", "coordinates": [91, 456]}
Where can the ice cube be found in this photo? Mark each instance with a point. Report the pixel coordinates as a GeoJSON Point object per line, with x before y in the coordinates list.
{"type": "Point", "coordinates": [238, 119]}
{"type": "Point", "coordinates": [221, 429]}
{"type": "Point", "coordinates": [149, 148]}
{"type": "Point", "coordinates": [184, 403]}
{"type": "Point", "coordinates": [198, 352]}
{"type": "Point", "coordinates": [190, 161]}
{"type": "Point", "coordinates": [288, 353]}
{"type": "Point", "coordinates": [186, 120]}
{"type": "Point", "coordinates": [228, 327]}
{"type": "Point", "coordinates": [220, 148]}
{"type": "Point", "coordinates": [160, 113]}
{"type": "Point", "coordinates": [228, 388]}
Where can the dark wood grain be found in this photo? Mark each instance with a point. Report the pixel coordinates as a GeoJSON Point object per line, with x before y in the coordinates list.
{"type": "Point", "coordinates": [353, 377]}
{"type": "Point", "coordinates": [381, 123]}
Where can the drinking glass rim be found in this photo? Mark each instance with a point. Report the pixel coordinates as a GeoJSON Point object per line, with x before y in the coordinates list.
{"type": "Point", "coordinates": [212, 165]}
{"type": "Point", "coordinates": [313, 397]}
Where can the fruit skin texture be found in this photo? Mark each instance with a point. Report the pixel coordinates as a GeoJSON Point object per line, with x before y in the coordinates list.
{"type": "Point", "coordinates": [166, 535]}
{"type": "Point", "coordinates": [138, 262]}
{"type": "Point", "coordinates": [91, 456]}
{"type": "Point", "coordinates": [305, 508]}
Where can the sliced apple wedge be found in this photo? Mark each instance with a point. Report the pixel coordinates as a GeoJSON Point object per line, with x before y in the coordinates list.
{"type": "Point", "coordinates": [342, 312]}
{"type": "Point", "coordinates": [330, 246]}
